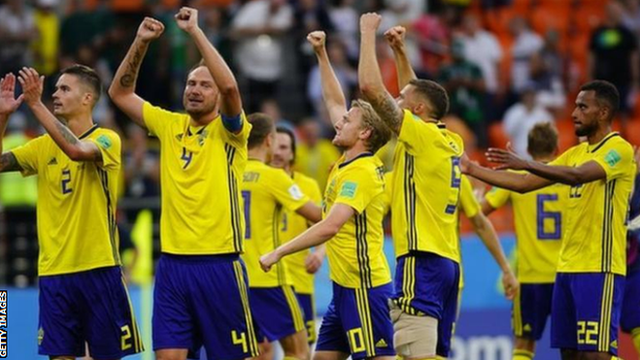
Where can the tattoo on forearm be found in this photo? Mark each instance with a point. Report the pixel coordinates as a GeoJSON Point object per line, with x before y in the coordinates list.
{"type": "Point", "coordinates": [68, 136]}
{"type": "Point", "coordinates": [133, 66]}
{"type": "Point", "coordinates": [8, 162]}
{"type": "Point", "coordinates": [388, 110]}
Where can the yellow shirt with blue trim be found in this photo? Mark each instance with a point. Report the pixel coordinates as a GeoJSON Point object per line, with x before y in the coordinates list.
{"type": "Point", "coordinates": [292, 225]}
{"type": "Point", "coordinates": [200, 173]}
{"type": "Point", "coordinates": [426, 188]}
{"type": "Point", "coordinates": [595, 240]}
{"type": "Point", "coordinates": [267, 192]}
{"type": "Point", "coordinates": [77, 202]}
{"type": "Point", "coordinates": [540, 221]}
{"type": "Point", "coordinates": [355, 253]}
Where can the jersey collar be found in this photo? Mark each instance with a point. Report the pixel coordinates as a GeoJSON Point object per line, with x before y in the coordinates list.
{"type": "Point", "coordinates": [363, 155]}
{"type": "Point", "coordinates": [603, 141]}
{"type": "Point", "coordinates": [88, 132]}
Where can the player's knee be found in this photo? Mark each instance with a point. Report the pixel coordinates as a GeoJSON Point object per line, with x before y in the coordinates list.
{"type": "Point", "coordinates": [296, 347]}
{"type": "Point", "coordinates": [415, 337]}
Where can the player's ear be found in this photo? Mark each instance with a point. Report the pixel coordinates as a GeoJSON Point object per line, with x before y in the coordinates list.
{"type": "Point", "coordinates": [88, 98]}
{"type": "Point", "coordinates": [365, 133]}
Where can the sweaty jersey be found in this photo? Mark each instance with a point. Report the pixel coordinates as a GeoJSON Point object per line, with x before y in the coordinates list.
{"type": "Point", "coordinates": [76, 203]}
{"type": "Point", "coordinates": [426, 188]}
{"type": "Point", "coordinates": [596, 232]}
{"type": "Point", "coordinates": [292, 225]}
{"type": "Point", "coordinates": [266, 192]}
{"type": "Point", "coordinates": [355, 253]}
{"type": "Point", "coordinates": [540, 222]}
{"type": "Point", "coordinates": [200, 171]}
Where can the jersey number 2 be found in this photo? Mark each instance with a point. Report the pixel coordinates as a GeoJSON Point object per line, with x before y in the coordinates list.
{"type": "Point", "coordinates": [66, 179]}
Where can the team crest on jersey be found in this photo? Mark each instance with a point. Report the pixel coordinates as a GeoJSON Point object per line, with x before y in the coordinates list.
{"type": "Point", "coordinates": [202, 136]}
{"type": "Point", "coordinates": [349, 189]}
{"type": "Point", "coordinates": [612, 158]}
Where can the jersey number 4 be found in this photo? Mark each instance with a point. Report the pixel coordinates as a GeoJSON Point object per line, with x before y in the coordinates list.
{"type": "Point", "coordinates": [186, 157]}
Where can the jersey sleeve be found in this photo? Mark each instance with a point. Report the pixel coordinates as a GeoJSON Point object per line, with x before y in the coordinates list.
{"type": "Point", "coordinates": [497, 197]}
{"type": "Point", "coordinates": [563, 159]}
{"type": "Point", "coordinates": [241, 138]}
{"type": "Point", "coordinates": [28, 155]}
{"type": "Point", "coordinates": [110, 146]}
{"type": "Point", "coordinates": [468, 200]}
{"type": "Point", "coordinates": [417, 135]}
{"type": "Point", "coordinates": [357, 187]}
{"type": "Point", "coordinates": [615, 159]}
{"type": "Point", "coordinates": [286, 191]}
{"type": "Point", "coordinates": [156, 118]}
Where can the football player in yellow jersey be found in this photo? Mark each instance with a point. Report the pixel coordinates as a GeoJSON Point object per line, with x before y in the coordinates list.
{"type": "Point", "coordinates": [425, 197]}
{"type": "Point", "coordinates": [266, 192]}
{"type": "Point", "coordinates": [203, 155]}
{"type": "Point", "coordinates": [304, 264]}
{"type": "Point", "coordinates": [539, 217]}
{"type": "Point", "coordinates": [83, 295]}
{"type": "Point", "coordinates": [587, 295]}
{"type": "Point", "coordinates": [357, 322]}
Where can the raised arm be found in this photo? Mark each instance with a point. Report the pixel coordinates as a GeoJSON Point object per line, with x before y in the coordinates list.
{"type": "Point", "coordinates": [520, 183]}
{"type": "Point", "coordinates": [587, 172]}
{"type": "Point", "coordinates": [369, 76]}
{"type": "Point", "coordinates": [122, 89]}
{"type": "Point", "coordinates": [231, 103]}
{"type": "Point", "coordinates": [314, 236]}
{"type": "Point", "coordinates": [8, 104]}
{"type": "Point", "coordinates": [76, 150]}
{"type": "Point", "coordinates": [395, 39]}
{"type": "Point", "coordinates": [332, 93]}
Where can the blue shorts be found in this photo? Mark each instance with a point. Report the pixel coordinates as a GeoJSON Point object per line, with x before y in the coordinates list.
{"type": "Point", "coordinates": [276, 311]}
{"type": "Point", "coordinates": [90, 306]}
{"type": "Point", "coordinates": [307, 304]}
{"type": "Point", "coordinates": [428, 284]}
{"type": "Point", "coordinates": [202, 300]}
{"type": "Point", "coordinates": [586, 311]}
{"type": "Point", "coordinates": [531, 308]}
{"type": "Point", "coordinates": [357, 322]}
{"type": "Point", "coordinates": [630, 319]}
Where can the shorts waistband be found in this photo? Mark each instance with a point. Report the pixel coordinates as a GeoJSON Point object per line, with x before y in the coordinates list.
{"type": "Point", "coordinates": [201, 258]}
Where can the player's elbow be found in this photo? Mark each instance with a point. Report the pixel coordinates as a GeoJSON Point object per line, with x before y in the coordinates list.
{"type": "Point", "coordinates": [229, 89]}
{"type": "Point", "coordinates": [75, 154]}
{"type": "Point", "coordinates": [331, 229]}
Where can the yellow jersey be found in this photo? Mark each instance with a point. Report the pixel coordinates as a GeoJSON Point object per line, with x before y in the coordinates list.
{"type": "Point", "coordinates": [292, 225]}
{"type": "Point", "coordinates": [470, 207]}
{"type": "Point", "coordinates": [316, 161]}
{"type": "Point", "coordinates": [77, 201]}
{"type": "Point", "coordinates": [266, 192]}
{"type": "Point", "coordinates": [200, 168]}
{"type": "Point", "coordinates": [595, 240]}
{"type": "Point", "coordinates": [355, 253]}
{"type": "Point", "coordinates": [426, 188]}
{"type": "Point", "coordinates": [540, 221]}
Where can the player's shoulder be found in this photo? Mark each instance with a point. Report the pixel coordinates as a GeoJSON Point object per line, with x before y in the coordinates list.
{"type": "Point", "coordinates": [616, 141]}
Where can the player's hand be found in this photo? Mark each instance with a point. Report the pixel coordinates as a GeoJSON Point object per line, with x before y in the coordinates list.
{"type": "Point", "coordinates": [313, 262]}
{"type": "Point", "coordinates": [465, 164]}
{"type": "Point", "coordinates": [268, 260]}
{"type": "Point", "coordinates": [395, 36]}
{"type": "Point", "coordinates": [370, 22]}
{"type": "Point", "coordinates": [8, 101]}
{"type": "Point", "coordinates": [506, 158]}
{"type": "Point", "coordinates": [187, 19]}
{"type": "Point", "coordinates": [32, 85]}
{"type": "Point", "coordinates": [150, 29]}
{"type": "Point", "coordinates": [510, 284]}
{"type": "Point", "coordinates": [317, 39]}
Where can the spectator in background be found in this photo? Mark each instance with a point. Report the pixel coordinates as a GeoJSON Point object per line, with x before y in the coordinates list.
{"type": "Point", "coordinates": [347, 76]}
{"type": "Point", "coordinates": [17, 30]}
{"type": "Point", "coordinates": [553, 59]}
{"type": "Point", "coordinates": [271, 108]}
{"type": "Point", "coordinates": [482, 48]}
{"type": "Point", "coordinates": [259, 26]}
{"type": "Point", "coordinates": [142, 170]}
{"type": "Point", "coordinates": [521, 117]}
{"type": "Point", "coordinates": [463, 81]}
{"type": "Point", "coordinates": [345, 19]}
{"type": "Point", "coordinates": [526, 43]}
{"type": "Point", "coordinates": [431, 32]}
{"type": "Point", "coordinates": [14, 189]}
{"type": "Point", "coordinates": [46, 46]}
{"type": "Point", "coordinates": [631, 16]}
{"type": "Point", "coordinates": [315, 155]}
{"type": "Point", "coordinates": [614, 56]}
{"type": "Point", "coordinates": [549, 88]}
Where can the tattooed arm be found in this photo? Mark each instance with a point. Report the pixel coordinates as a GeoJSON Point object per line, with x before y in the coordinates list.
{"type": "Point", "coordinates": [8, 162]}
{"type": "Point", "coordinates": [76, 150]}
{"type": "Point", "coordinates": [369, 76]}
{"type": "Point", "coordinates": [123, 86]}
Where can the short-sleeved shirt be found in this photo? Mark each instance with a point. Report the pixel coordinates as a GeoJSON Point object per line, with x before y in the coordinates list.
{"type": "Point", "coordinates": [76, 203]}
{"type": "Point", "coordinates": [596, 226]}
{"type": "Point", "coordinates": [426, 188]}
{"type": "Point", "coordinates": [355, 253]}
{"type": "Point", "coordinates": [266, 193]}
{"type": "Point", "coordinates": [200, 172]}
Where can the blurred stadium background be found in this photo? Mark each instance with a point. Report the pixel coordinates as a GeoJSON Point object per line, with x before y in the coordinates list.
{"type": "Point", "coordinates": [507, 64]}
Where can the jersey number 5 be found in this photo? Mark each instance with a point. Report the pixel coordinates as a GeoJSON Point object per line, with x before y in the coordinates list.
{"type": "Point", "coordinates": [456, 179]}
{"type": "Point", "coordinates": [545, 216]}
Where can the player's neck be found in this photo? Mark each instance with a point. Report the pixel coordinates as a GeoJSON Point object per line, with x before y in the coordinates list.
{"type": "Point", "coordinates": [79, 124]}
{"type": "Point", "coordinates": [258, 153]}
{"type": "Point", "coordinates": [599, 134]}
{"type": "Point", "coordinates": [204, 119]}
{"type": "Point", "coordinates": [355, 151]}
